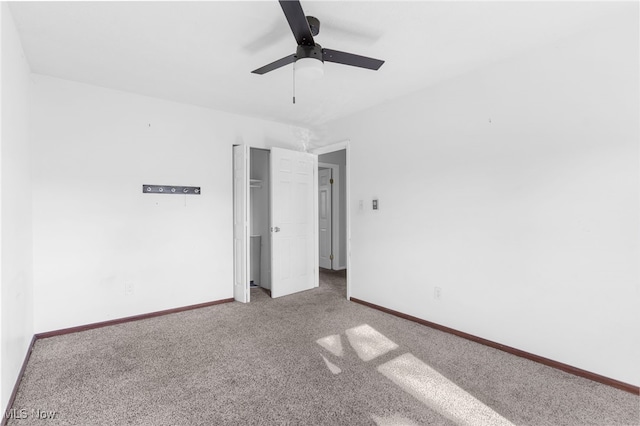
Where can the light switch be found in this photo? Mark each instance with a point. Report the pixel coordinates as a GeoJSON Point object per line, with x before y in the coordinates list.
{"type": "Point", "coordinates": [361, 205]}
{"type": "Point", "coordinates": [375, 204]}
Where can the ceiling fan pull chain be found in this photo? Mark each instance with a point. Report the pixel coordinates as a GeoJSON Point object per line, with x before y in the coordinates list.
{"type": "Point", "coordinates": [294, 83]}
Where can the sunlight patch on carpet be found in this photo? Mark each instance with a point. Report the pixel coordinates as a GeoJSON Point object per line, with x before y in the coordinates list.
{"type": "Point", "coordinates": [368, 342]}
{"type": "Point", "coordinates": [332, 343]}
{"type": "Point", "coordinates": [393, 420]}
{"type": "Point", "coordinates": [331, 366]}
{"type": "Point", "coordinates": [439, 393]}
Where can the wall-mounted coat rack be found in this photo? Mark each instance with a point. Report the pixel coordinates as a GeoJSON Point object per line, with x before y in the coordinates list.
{"type": "Point", "coordinates": [168, 189]}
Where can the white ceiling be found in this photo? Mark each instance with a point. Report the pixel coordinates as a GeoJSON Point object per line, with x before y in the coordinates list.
{"type": "Point", "coordinates": [202, 53]}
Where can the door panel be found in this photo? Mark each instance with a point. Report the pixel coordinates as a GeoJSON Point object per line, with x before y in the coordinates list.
{"type": "Point", "coordinates": [324, 217]}
{"type": "Point", "coordinates": [241, 223]}
{"type": "Point", "coordinates": [293, 221]}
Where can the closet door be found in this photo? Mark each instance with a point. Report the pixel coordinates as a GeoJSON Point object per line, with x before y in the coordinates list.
{"type": "Point", "coordinates": [241, 223]}
{"type": "Point", "coordinates": [294, 221]}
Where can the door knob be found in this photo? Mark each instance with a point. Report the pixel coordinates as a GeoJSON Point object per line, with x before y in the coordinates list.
{"type": "Point", "coordinates": [276, 229]}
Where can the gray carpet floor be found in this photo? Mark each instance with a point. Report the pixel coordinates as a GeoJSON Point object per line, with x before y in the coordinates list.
{"type": "Point", "coordinates": [308, 358]}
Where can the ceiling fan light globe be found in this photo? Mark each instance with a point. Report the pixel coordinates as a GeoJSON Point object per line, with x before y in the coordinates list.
{"type": "Point", "coordinates": [309, 68]}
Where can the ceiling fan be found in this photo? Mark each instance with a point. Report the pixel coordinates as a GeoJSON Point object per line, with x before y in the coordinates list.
{"type": "Point", "coordinates": [309, 54]}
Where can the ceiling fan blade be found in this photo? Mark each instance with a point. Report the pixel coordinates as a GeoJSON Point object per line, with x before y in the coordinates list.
{"type": "Point", "coordinates": [350, 59]}
{"type": "Point", "coordinates": [298, 22]}
{"type": "Point", "coordinates": [276, 64]}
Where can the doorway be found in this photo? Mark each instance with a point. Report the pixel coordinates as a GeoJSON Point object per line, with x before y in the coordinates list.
{"type": "Point", "coordinates": [334, 245]}
{"type": "Point", "coordinates": [259, 220]}
{"type": "Point", "coordinates": [275, 220]}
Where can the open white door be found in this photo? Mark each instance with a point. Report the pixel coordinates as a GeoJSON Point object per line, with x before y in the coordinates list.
{"type": "Point", "coordinates": [294, 221]}
{"type": "Point", "coordinates": [324, 217]}
{"type": "Point", "coordinates": [241, 223]}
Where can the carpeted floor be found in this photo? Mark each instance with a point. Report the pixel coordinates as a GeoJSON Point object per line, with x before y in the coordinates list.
{"type": "Point", "coordinates": [309, 358]}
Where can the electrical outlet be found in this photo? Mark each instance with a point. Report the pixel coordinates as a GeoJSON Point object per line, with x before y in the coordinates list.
{"type": "Point", "coordinates": [361, 205]}
{"type": "Point", "coordinates": [129, 288]}
{"type": "Point", "coordinates": [437, 293]}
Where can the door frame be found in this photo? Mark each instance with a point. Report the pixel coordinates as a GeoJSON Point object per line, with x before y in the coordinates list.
{"type": "Point", "coordinates": [241, 266]}
{"type": "Point", "coordinates": [335, 206]}
{"type": "Point", "coordinates": [345, 144]}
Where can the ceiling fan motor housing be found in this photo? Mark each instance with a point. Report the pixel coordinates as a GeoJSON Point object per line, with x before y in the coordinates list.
{"type": "Point", "coordinates": [314, 52]}
{"type": "Point", "coordinates": [314, 25]}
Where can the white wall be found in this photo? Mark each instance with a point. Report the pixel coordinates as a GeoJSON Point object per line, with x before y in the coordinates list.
{"type": "Point", "coordinates": [15, 224]}
{"type": "Point", "coordinates": [515, 189]}
{"type": "Point", "coordinates": [339, 158]}
{"type": "Point", "coordinates": [94, 229]}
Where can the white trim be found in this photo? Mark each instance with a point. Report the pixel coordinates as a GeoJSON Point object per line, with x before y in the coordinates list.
{"type": "Point", "coordinates": [335, 218]}
{"type": "Point", "coordinates": [348, 224]}
{"type": "Point", "coordinates": [332, 148]}
{"type": "Point", "coordinates": [316, 231]}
